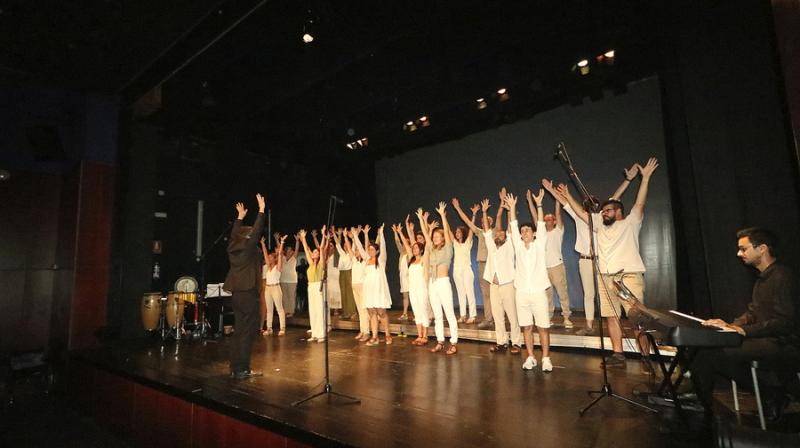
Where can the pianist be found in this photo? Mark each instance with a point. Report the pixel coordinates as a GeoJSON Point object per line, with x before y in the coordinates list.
{"type": "Point", "coordinates": [769, 325]}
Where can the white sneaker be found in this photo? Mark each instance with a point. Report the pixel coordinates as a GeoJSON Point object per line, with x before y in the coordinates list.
{"type": "Point", "coordinates": [530, 363]}
{"type": "Point", "coordinates": [547, 366]}
{"type": "Point", "coordinates": [568, 323]}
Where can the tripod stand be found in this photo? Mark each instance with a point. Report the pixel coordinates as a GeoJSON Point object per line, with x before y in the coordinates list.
{"type": "Point", "coordinates": [327, 388]}
{"type": "Point", "coordinates": [590, 203]}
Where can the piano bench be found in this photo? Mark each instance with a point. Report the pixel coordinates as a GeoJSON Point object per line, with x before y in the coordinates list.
{"type": "Point", "coordinates": [754, 366]}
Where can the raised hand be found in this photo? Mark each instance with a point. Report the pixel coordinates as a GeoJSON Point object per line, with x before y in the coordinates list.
{"type": "Point", "coordinates": [366, 228]}
{"type": "Point", "coordinates": [485, 205]}
{"type": "Point", "coordinates": [434, 225]}
{"type": "Point", "coordinates": [314, 232]}
{"type": "Point", "coordinates": [649, 167]}
{"type": "Point", "coordinates": [261, 202]}
{"type": "Point", "coordinates": [474, 209]}
{"type": "Point", "coordinates": [510, 200]}
{"type": "Point", "coordinates": [455, 203]}
{"type": "Point", "coordinates": [632, 172]}
{"type": "Point", "coordinates": [502, 193]}
{"type": "Point", "coordinates": [283, 238]}
{"type": "Point", "coordinates": [441, 208]}
{"type": "Point", "coordinates": [538, 198]}
{"type": "Point", "coordinates": [547, 184]}
{"type": "Point", "coordinates": [301, 233]}
{"type": "Point", "coordinates": [263, 240]}
{"type": "Point", "coordinates": [324, 229]}
{"type": "Point", "coordinates": [380, 229]}
{"type": "Point", "coordinates": [563, 190]}
{"type": "Point", "coordinates": [419, 213]}
{"type": "Point", "coordinates": [241, 210]}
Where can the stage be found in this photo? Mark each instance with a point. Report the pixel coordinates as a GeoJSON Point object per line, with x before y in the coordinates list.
{"type": "Point", "coordinates": [409, 397]}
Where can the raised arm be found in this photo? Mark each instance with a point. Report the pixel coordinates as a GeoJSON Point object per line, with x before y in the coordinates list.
{"type": "Point", "coordinates": [559, 222]}
{"type": "Point", "coordinates": [264, 249]}
{"type": "Point", "coordinates": [397, 230]}
{"type": "Point", "coordinates": [576, 206]}
{"type": "Point", "coordinates": [357, 243]}
{"type": "Point", "coordinates": [448, 235]}
{"type": "Point", "coordinates": [423, 224]}
{"type": "Point", "coordinates": [469, 222]}
{"type": "Point", "coordinates": [641, 196]}
{"type": "Point", "coordinates": [531, 206]}
{"type": "Point", "coordinates": [382, 243]}
{"type": "Point", "coordinates": [630, 174]}
{"type": "Point", "coordinates": [323, 248]}
{"type": "Point", "coordinates": [410, 229]}
{"type": "Point", "coordinates": [498, 220]}
{"type": "Point", "coordinates": [485, 209]}
{"type": "Point", "coordinates": [314, 236]}
{"type": "Point", "coordinates": [296, 246]}
{"type": "Point", "coordinates": [302, 234]}
{"type": "Point", "coordinates": [280, 251]}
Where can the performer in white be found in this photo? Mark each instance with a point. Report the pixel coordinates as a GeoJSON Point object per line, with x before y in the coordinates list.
{"type": "Point", "coordinates": [531, 281]}
{"type": "Point", "coordinates": [271, 275]}
{"type": "Point", "coordinates": [376, 286]}
{"type": "Point", "coordinates": [500, 273]}
{"type": "Point", "coordinates": [359, 265]}
{"type": "Point", "coordinates": [289, 277]}
{"type": "Point", "coordinates": [402, 267]}
{"type": "Point", "coordinates": [417, 282]}
{"type": "Point", "coordinates": [315, 274]}
{"type": "Point", "coordinates": [556, 270]}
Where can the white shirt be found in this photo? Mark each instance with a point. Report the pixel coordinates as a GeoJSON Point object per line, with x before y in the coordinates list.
{"type": "Point", "coordinates": [555, 239]}
{"type": "Point", "coordinates": [289, 270]}
{"type": "Point", "coordinates": [618, 245]}
{"type": "Point", "coordinates": [462, 253]}
{"type": "Point", "coordinates": [531, 269]}
{"type": "Point", "coordinates": [345, 260]}
{"type": "Point", "coordinates": [272, 276]}
{"type": "Point", "coordinates": [357, 272]}
{"type": "Point", "coordinates": [581, 232]}
{"type": "Point", "coordinates": [499, 260]}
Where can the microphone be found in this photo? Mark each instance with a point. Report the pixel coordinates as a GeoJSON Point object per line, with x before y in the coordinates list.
{"type": "Point", "coordinates": [337, 199]}
{"type": "Point", "coordinates": [559, 151]}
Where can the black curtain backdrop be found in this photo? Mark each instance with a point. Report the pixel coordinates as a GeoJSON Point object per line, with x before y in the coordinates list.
{"type": "Point", "coordinates": [602, 138]}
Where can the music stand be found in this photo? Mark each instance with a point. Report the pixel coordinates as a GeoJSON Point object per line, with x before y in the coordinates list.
{"type": "Point", "coordinates": [328, 388]}
{"type": "Point", "coordinates": [605, 389]}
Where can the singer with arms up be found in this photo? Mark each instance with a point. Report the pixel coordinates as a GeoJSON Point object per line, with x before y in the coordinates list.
{"type": "Point", "coordinates": [243, 281]}
{"type": "Point", "coordinates": [618, 258]}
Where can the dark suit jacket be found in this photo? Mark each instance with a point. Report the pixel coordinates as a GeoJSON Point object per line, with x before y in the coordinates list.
{"type": "Point", "coordinates": [245, 258]}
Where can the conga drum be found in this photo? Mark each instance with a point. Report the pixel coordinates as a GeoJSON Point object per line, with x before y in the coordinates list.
{"type": "Point", "coordinates": [151, 310]}
{"type": "Point", "coordinates": [175, 307]}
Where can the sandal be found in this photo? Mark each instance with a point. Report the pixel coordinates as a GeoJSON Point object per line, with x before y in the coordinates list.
{"type": "Point", "coordinates": [439, 347]}
{"type": "Point", "coordinates": [388, 340]}
{"type": "Point", "coordinates": [358, 336]}
{"type": "Point", "coordinates": [404, 316]}
{"type": "Point", "coordinates": [282, 333]}
{"type": "Point", "coordinates": [372, 342]}
{"type": "Point", "coordinates": [452, 350]}
{"type": "Point", "coordinates": [364, 338]}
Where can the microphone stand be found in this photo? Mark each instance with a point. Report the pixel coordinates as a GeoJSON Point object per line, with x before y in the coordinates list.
{"type": "Point", "coordinates": [328, 388]}
{"type": "Point", "coordinates": [588, 200]}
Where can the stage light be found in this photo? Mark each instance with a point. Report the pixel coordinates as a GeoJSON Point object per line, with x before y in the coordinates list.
{"type": "Point", "coordinates": [502, 94]}
{"type": "Point", "coordinates": [4, 175]}
{"type": "Point", "coordinates": [308, 29]}
{"type": "Point", "coordinates": [423, 121]}
{"type": "Point", "coordinates": [481, 103]}
{"type": "Point", "coordinates": [609, 54]}
{"type": "Point", "coordinates": [583, 66]}
{"type": "Point", "coordinates": [308, 38]}
{"type": "Point", "coordinates": [410, 126]}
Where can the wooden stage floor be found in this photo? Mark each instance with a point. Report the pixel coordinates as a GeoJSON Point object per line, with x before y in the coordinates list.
{"type": "Point", "coordinates": [409, 397]}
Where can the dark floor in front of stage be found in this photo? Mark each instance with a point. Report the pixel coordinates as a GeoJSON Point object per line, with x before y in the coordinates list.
{"type": "Point", "coordinates": [410, 397]}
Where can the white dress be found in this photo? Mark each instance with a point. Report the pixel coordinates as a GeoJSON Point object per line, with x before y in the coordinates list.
{"type": "Point", "coordinates": [376, 286]}
{"type": "Point", "coordinates": [332, 285]}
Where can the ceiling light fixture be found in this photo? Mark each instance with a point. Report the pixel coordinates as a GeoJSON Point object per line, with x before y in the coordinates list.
{"type": "Point", "coordinates": [481, 103]}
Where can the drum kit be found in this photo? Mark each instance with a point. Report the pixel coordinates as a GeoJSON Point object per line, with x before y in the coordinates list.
{"type": "Point", "coordinates": [181, 314]}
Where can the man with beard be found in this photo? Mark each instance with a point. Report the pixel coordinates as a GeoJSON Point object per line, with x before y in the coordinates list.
{"type": "Point", "coordinates": [618, 258]}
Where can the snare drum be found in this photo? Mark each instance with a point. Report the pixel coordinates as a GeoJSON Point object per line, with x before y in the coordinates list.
{"type": "Point", "coordinates": [151, 310]}
{"type": "Point", "coordinates": [175, 306]}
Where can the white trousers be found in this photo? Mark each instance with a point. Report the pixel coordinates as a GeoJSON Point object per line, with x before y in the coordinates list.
{"type": "Point", "coordinates": [464, 279]}
{"type": "Point", "coordinates": [587, 280]}
{"type": "Point", "coordinates": [274, 299]}
{"type": "Point", "coordinates": [504, 304]}
{"type": "Point", "coordinates": [316, 310]}
{"type": "Point", "coordinates": [363, 314]}
{"type": "Point", "coordinates": [441, 296]}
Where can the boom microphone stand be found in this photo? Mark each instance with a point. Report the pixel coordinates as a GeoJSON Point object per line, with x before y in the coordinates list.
{"type": "Point", "coordinates": [589, 201]}
{"type": "Point", "coordinates": [328, 388]}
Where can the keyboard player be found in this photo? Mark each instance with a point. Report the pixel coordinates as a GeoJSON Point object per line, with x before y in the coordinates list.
{"type": "Point", "coordinates": [769, 325]}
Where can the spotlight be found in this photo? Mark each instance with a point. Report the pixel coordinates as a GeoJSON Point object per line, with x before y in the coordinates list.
{"type": "Point", "coordinates": [423, 121]}
{"type": "Point", "coordinates": [502, 94]}
{"type": "Point", "coordinates": [583, 66]}
{"type": "Point", "coordinates": [308, 38]}
{"type": "Point", "coordinates": [609, 54]}
{"type": "Point", "coordinates": [360, 143]}
{"type": "Point", "coordinates": [481, 103]}
{"type": "Point", "coordinates": [410, 126]}
{"type": "Point", "coordinates": [308, 29]}
{"type": "Point", "coordinates": [607, 57]}
{"type": "Point", "coordinates": [4, 175]}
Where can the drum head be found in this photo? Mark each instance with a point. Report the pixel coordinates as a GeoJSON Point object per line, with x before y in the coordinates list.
{"type": "Point", "coordinates": [186, 283]}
